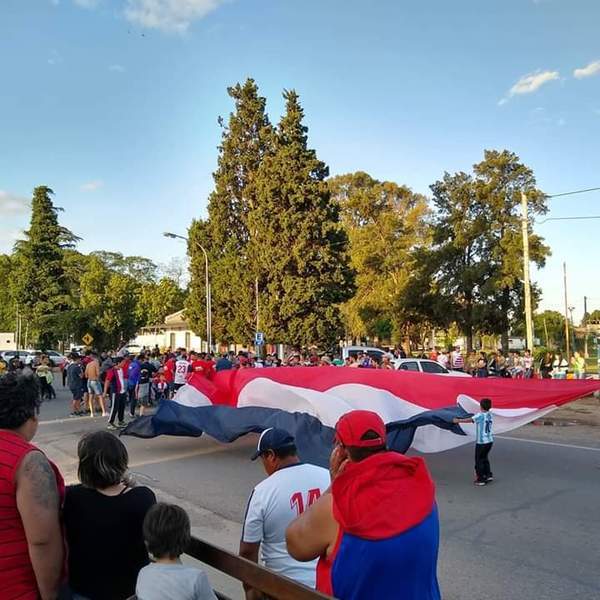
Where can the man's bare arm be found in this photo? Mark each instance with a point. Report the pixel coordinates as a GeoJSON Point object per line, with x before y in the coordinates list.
{"type": "Point", "coordinates": [38, 504]}
{"type": "Point", "coordinates": [249, 550]}
{"type": "Point", "coordinates": [314, 532]}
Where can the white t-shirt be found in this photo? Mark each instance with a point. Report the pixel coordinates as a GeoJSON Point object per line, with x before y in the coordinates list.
{"type": "Point", "coordinates": [181, 370]}
{"type": "Point", "coordinates": [273, 505]}
{"type": "Point", "coordinates": [442, 359]}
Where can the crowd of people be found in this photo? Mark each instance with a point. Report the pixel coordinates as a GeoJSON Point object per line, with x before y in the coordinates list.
{"type": "Point", "coordinates": [348, 531]}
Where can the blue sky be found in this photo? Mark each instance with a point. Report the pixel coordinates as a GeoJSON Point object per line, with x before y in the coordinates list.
{"type": "Point", "coordinates": [114, 104]}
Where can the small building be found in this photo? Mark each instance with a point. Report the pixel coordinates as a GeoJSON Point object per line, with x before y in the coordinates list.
{"type": "Point", "coordinates": [8, 341]}
{"type": "Point", "coordinates": [173, 333]}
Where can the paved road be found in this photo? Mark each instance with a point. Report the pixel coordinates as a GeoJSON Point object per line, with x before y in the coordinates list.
{"type": "Point", "coordinates": [533, 534]}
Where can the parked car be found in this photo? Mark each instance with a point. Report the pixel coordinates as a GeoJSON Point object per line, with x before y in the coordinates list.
{"type": "Point", "coordinates": [56, 358]}
{"type": "Point", "coordinates": [424, 365]}
{"type": "Point", "coordinates": [375, 353]}
{"type": "Point", "coordinates": [22, 354]}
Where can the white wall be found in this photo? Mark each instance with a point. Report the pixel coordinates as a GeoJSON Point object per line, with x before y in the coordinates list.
{"type": "Point", "coordinates": [7, 341]}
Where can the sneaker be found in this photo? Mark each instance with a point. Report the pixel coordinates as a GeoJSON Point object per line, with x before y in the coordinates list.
{"type": "Point", "coordinates": [490, 478]}
{"type": "Point", "coordinates": [111, 427]}
{"type": "Point", "coordinates": [122, 424]}
{"type": "Point", "coordinates": [73, 414]}
{"type": "Point", "coordinates": [480, 483]}
{"type": "Point", "coordinates": [104, 414]}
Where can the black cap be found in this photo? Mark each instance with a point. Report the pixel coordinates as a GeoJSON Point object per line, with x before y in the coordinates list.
{"type": "Point", "coordinates": [273, 439]}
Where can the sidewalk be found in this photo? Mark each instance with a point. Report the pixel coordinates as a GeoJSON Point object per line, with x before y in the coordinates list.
{"type": "Point", "coordinates": [581, 412]}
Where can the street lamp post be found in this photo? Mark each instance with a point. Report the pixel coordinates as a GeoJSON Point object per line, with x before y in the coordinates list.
{"type": "Point", "coordinates": [206, 283]}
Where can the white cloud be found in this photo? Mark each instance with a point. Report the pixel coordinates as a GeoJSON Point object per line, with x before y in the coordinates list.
{"type": "Point", "coordinates": [529, 83]}
{"type": "Point", "coordinates": [11, 204]}
{"type": "Point", "coordinates": [87, 3]}
{"type": "Point", "coordinates": [54, 58]}
{"type": "Point", "coordinates": [8, 237]}
{"type": "Point", "coordinates": [588, 71]}
{"type": "Point", "coordinates": [117, 68]}
{"type": "Point", "coordinates": [92, 186]}
{"type": "Point", "coordinates": [169, 15]}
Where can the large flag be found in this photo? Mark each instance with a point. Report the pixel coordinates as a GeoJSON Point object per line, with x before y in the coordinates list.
{"type": "Point", "coordinates": [417, 408]}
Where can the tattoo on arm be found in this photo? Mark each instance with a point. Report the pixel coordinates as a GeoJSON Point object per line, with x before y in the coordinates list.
{"type": "Point", "coordinates": [42, 480]}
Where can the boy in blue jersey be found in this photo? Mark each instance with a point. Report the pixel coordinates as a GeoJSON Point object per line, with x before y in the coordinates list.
{"type": "Point", "coordinates": [484, 439]}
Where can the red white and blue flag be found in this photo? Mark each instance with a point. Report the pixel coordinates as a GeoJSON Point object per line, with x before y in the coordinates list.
{"type": "Point", "coordinates": [417, 408]}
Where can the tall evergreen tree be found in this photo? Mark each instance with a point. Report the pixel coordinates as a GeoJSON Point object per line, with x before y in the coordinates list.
{"type": "Point", "coordinates": [39, 283]}
{"type": "Point", "coordinates": [298, 241]}
{"type": "Point", "coordinates": [226, 233]}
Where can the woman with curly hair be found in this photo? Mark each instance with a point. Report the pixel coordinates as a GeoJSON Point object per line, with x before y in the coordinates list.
{"type": "Point", "coordinates": [31, 496]}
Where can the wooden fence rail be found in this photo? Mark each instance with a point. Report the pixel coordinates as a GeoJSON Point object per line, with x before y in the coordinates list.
{"type": "Point", "coordinates": [272, 585]}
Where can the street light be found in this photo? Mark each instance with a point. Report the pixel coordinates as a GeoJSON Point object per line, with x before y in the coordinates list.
{"type": "Point", "coordinates": [206, 283]}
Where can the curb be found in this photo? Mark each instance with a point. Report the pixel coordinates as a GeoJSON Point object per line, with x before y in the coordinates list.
{"type": "Point", "coordinates": [563, 422]}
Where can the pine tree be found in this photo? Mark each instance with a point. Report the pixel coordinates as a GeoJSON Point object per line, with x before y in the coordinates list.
{"type": "Point", "coordinates": [299, 244]}
{"type": "Point", "coordinates": [225, 234]}
{"type": "Point", "coordinates": [39, 284]}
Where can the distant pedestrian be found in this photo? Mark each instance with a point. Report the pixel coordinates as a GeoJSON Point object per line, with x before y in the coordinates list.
{"type": "Point", "coordinates": [528, 365]}
{"type": "Point", "coordinates": [167, 534]}
{"type": "Point", "coordinates": [115, 384]}
{"type": "Point", "coordinates": [546, 365]}
{"type": "Point", "coordinates": [578, 363]}
{"type": "Point", "coordinates": [457, 361]}
{"type": "Point", "coordinates": [484, 440]}
{"type": "Point", "coordinates": [74, 379]}
{"type": "Point", "coordinates": [560, 366]}
{"type": "Point", "coordinates": [481, 369]}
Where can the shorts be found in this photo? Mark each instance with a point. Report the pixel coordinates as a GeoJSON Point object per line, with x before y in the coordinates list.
{"type": "Point", "coordinates": [144, 400]}
{"type": "Point", "coordinates": [77, 394]}
{"type": "Point", "coordinates": [94, 387]}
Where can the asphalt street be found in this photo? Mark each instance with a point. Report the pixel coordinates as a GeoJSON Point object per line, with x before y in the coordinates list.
{"type": "Point", "coordinates": [532, 534]}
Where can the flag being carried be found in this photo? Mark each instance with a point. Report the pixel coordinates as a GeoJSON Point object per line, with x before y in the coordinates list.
{"type": "Point", "coordinates": [417, 408]}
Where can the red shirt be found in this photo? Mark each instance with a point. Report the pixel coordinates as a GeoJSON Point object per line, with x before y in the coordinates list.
{"type": "Point", "coordinates": [170, 370]}
{"type": "Point", "coordinates": [17, 578]}
{"type": "Point", "coordinates": [207, 367]}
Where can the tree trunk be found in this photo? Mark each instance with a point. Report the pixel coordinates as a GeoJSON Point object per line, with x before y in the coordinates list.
{"type": "Point", "coordinates": [505, 304]}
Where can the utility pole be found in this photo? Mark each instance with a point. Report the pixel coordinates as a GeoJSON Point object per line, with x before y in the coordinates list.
{"type": "Point", "coordinates": [585, 324]}
{"type": "Point", "coordinates": [526, 282]}
{"type": "Point", "coordinates": [566, 315]}
{"type": "Point", "coordinates": [206, 285]}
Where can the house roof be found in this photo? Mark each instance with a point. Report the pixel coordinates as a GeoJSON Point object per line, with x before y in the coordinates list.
{"type": "Point", "coordinates": [176, 319]}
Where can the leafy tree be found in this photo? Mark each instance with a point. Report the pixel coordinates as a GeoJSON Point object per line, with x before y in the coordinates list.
{"type": "Point", "coordinates": [298, 243]}
{"type": "Point", "coordinates": [458, 263]}
{"type": "Point", "coordinates": [39, 284]}
{"type": "Point", "coordinates": [386, 223]}
{"type": "Point", "coordinates": [157, 300]}
{"type": "Point", "coordinates": [476, 264]}
{"type": "Point", "coordinates": [500, 179]}
{"type": "Point", "coordinates": [7, 304]}
{"type": "Point", "coordinates": [138, 267]}
{"type": "Point", "coordinates": [225, 234]}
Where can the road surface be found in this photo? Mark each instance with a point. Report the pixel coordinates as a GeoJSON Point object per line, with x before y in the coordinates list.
{"type": "Point", "coordinates": [532, 534]}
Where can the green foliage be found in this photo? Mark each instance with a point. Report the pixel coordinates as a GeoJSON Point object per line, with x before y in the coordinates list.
{"type": "Point", "coordinates": [297, 241]}
{"type": "Point", "coordinates": [8, 306]}
{"type": "Point", "coordinates": [225, 234]}
{"type": "Point", "coordinates": [38, 283]}
{"type": "Point", "coordinates": [386, 225]}
{"type": "Point", "coordinates": [157, 300]}
{"type": "Point", "coordinates": [140, 268]}
{"type": "Point", "coordinates": [476, 263]}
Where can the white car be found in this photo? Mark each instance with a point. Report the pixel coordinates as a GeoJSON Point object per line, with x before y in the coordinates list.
{"type": "Point", "coordinates": [375, 353]}
{"type": "Point", "coordinates": [56, 358]}
{"type": "Point", "coordinates": [424, 365]}
{"type": "Point", "coordinates": [22, 354]}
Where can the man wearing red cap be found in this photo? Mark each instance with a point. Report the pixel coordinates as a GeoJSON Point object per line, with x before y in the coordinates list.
{"type": "Point", "coordinates": [376, 530]}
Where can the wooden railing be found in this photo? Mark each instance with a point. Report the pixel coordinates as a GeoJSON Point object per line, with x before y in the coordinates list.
{"type": "Point", "coordinates": [270, 584]}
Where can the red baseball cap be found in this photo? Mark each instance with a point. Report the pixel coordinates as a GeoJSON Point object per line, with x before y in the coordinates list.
{"type": "Point", "coordinates": [351, 428]}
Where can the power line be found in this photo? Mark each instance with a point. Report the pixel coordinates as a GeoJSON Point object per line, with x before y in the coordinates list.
{"type": "Point", "coordinates": [595, 189]}
{"type": "Point", "coordinates": [567, 218]}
